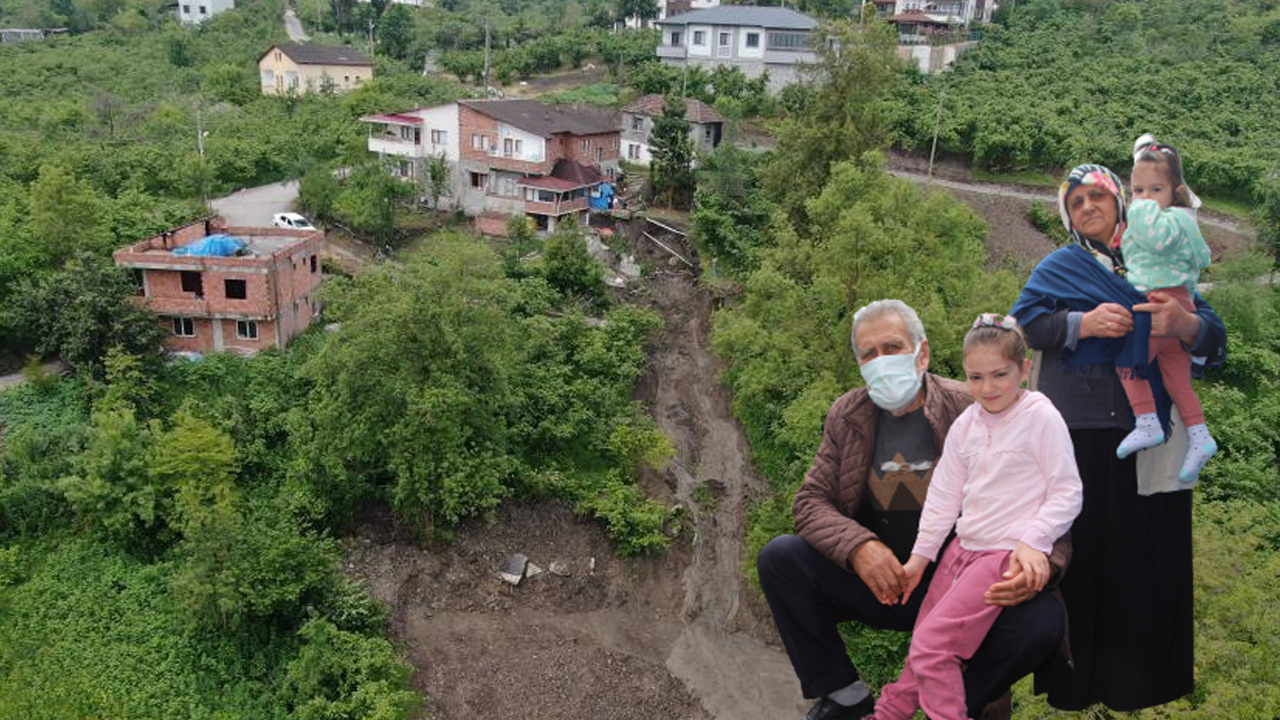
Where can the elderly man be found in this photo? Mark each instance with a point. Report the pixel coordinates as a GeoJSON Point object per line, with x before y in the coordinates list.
{"type": "Point", "coordinates": [856, 516]}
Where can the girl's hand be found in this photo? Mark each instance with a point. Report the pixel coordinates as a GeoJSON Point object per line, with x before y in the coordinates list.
{"type": "Point", "coordinates": [1108, 320]}
{"type": "Point", "coordinates": [1033, 564]}
{"type": "Point", "coordinates": [915, 570]}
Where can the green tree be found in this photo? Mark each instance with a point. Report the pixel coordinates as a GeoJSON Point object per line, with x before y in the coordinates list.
{"type": "Point", "coordinates": [66, 213]}
{"type": "Point", "coordinates": [339, 674]}
{"type": "Point", "coordinates": [569, 267]}
{"type": "Point", "coordinates": [641, 10]}
{"type": "Point", "coordinates": [114, 489]}
{"type": "Point", "coordinates": [856, 77]}
{"type": "Point", "coordinates": [436, 172]}
{"type": "Point", "coordinates": [369, 201]}
{"type": "Point", "coordinates": [85, 310]}
{"type": "Point", "coordinates": [395, 32]}
{"type": "Point", "coordinates": [410, 397]}
{"type": "Point", "coordinates": [1266, 214]}
{"type": "Point", "coordinates": [672, 168]}
{"type": "Point", "coordinates": [318, 191]}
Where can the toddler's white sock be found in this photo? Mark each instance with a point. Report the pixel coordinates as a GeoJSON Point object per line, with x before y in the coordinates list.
{"type": "Point", "coordinates": [1146, 434]}
{"type": "Point", "coordinates": [1200, 447]}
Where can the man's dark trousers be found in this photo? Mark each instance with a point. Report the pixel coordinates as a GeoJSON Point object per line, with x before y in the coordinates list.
{"type": "Point", "coordinates": [809, 596]}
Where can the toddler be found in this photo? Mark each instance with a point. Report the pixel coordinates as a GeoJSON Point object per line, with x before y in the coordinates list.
{"type": "Point", "coordinates": [1008, 473]}
{"type": "Point", "coordinates": [1164, 253]}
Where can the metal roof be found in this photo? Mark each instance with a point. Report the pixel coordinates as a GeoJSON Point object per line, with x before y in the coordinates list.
{"type": "Point", "coordinates": [321, 54]}
{"type": "Point", "coordinates": [777, 18]}
{"type": "Point", "coordinates": [544, 120]}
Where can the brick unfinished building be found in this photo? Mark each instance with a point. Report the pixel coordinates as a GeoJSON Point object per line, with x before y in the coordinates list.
{"type": "Point", "coordinates": [252, 301]}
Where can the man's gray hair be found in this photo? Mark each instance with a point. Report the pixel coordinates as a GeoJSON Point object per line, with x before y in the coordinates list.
{"type": "Point", "coordinates": [880, 308]}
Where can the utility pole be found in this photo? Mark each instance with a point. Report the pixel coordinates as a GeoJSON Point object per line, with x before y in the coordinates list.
{"type": "Point", "coordinates": [486, 57]}
{"type": "Point", "coordinates": [370, 36]}
{"type": "Point", "coordinates": [937, 122]}
{"type": "Point", "coordinates": [204, 179]}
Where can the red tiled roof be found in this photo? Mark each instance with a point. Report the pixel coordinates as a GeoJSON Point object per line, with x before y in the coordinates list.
{"type": "Point", "coordinates": [695, 111]}
{"type": "Point", "coordinates": [393, 118]}
{"type": "Point", "coordinates": [548, 183]}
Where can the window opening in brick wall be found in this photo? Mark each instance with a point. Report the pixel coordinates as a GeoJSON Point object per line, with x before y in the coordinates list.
{"type": "Point", "coordinates": [247, 329]}
{"type": "Point", "coordinates": [184, 327]}
{"type": "Point", "coordinates": [235, 289]}
{"type": "Point", "coordinates": [193, 282]}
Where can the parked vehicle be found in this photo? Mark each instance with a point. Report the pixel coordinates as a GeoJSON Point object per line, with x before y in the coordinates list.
{"type": "Point", "coordinates": [291, 220]}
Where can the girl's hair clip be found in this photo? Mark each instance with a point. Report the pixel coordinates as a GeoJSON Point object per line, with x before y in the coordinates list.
{"type": "Point", "coordinates": [1155, 147]}
{"type": "Point", "coordinates": [1004, 322]}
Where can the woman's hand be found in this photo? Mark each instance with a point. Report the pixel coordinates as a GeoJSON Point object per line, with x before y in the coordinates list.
{"type": "Point", "coordinates": [1108, 320]}
{"type": "Point", "coordinates": [1169, 318]}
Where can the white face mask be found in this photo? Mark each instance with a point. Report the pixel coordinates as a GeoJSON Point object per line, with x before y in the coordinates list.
{"type": "Point", "coordinates": [893, 380]}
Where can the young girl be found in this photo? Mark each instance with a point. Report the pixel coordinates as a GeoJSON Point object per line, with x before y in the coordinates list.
{"type": "Point", "coordinates": [1008, 472]}
{"type": "Point", "coordinates": [1164, 253]}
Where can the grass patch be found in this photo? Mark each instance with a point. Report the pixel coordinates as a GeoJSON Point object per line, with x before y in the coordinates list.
{"type": "Point", "coordinates": [1232, 207]}
{"type": "Point", "coordinates": [1036, 178]}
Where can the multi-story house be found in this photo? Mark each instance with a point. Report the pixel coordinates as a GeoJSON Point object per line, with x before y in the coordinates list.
{"type": "Point", "coordinates": [197, 11]}
{"type": "Point", "coordinates": [934, 33]}
{"type": "Point", "coordinates": [706, 126]}
{"type": "Point", "coordinates": [667, 8]}
{"type": "Point", "coordinates": [948, 12]}
{"type": "Point", "coordinates": [757, 40]}
{"type": "Point", "coordinates": [506, 157]}
{"type": "Point", "coordinates": [299, 69]}
{"type": "Point", "coordinates": [254, 299]}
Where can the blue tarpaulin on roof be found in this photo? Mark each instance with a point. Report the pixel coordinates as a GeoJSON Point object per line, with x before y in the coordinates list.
{"type": "Point", "coordinates": [601, 197]}
{"type": "Point", "coordinates": [212, 246]}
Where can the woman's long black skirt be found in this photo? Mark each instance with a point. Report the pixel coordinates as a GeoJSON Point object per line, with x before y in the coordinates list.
{"type": "Point", "coordinates": [1128, 590]}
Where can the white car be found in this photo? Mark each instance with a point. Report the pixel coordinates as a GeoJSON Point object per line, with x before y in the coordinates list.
{"type": "Point", "coordinates": [291, 220]}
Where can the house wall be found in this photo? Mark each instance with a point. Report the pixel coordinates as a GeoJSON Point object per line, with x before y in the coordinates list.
{"type": "Point", "coordinates": [278, 74]}
{"type": "Point", "coordinates": [442, 118]}
{"type": "Point", "coordinates": [783, 66]}
{"type": "Point", "coordinates": [280, 289]}
{"type": "Point", "coordinates": [197, 11]}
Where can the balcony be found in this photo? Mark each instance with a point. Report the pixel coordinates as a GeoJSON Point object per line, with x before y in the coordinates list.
{"type": "Point", "coordinates": [392, 144]}
{"type": "Point", "coordinates": [557, 208]}
{"type": "Point", "coordinates": [673, 52]}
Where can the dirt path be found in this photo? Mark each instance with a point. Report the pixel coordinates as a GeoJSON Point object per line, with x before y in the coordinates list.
{"type": "Point", "coordinates": [672, 637]}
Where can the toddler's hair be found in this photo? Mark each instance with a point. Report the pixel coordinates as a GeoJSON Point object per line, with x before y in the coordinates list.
{"type": "Point", "coordinates": [1167, 158]}
{"type": "Point", "coordinates": [1002, 330]}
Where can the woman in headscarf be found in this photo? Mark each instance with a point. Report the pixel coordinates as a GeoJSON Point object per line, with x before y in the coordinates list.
{"type": "Point", "coordinates": [1128, 590]}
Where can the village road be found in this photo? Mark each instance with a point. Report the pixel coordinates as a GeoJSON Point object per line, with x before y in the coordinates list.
{"type": "Point", "coordinates": [253, 207]}
{"type": "Point", "coordinates": [293, 26]}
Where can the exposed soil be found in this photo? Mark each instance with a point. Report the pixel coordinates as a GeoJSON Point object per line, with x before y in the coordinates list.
{"type": "Point", "coordinates": [675, 636]}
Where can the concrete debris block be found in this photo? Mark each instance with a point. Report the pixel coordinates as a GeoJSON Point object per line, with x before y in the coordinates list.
{"type": "Point", "coordinates": [559, 568]}
{"type": "Point", "coordinates": [591, 565]}
{"type": "Point", "coordinates": [629, 266]}
{"type": "Point", "coordinates": [597, 249]}
{"type": "Point", "coordinates": [530, 570]}
{"type": "Point", "coordinates": [616, 281]}
{"type": "Point", "coordinates": [513, 570]}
